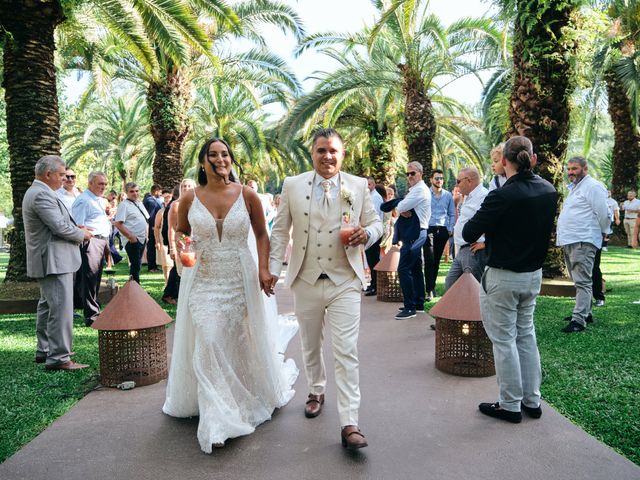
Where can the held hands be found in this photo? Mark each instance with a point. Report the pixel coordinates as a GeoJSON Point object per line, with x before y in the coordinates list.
{"type": "Point", "coordinates": [268, 283]}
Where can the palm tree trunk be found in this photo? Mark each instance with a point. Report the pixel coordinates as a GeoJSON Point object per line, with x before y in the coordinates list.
{"type": "Point", "coordinates": [380, 154]}
{"type": "Point", "coordinates": [420, 123]}
{"type": "Point", "coordinates": [626, 142]}
{"type": "Point", "coordinates": [33, 121]}
{"type": "Point", "coordinates": [168, 102]}
{"type": "Point", "coordinates": [539, 107]}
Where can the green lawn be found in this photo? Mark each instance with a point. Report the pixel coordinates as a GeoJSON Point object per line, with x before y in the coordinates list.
{"type": "Point", "coordinates": [30, 397]}
{"type": "Point", "coordinates": [592, 377]}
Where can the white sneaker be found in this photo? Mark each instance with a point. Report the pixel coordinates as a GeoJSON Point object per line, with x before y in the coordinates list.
{"type": "Point", "coordinates": [637, 302]}
{"type": "Point", "coordinates": [599, 303]}
{"type": "Point", "coordinates": [605, 249]}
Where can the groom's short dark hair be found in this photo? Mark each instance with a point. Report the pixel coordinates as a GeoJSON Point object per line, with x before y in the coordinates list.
{"type": "Point", "coordinates": [325, 133]}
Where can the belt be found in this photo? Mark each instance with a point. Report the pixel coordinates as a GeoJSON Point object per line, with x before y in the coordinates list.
{"type": "Point", "coordinates": [100, 237]}
{"type": "Point", "coordinates": [323, 276]}
{"type": "Point", "coordinates": [465, 246]}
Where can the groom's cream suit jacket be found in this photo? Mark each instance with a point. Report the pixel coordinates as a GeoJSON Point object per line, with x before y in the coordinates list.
{"type": "Point", "coordinates": [316, 242]}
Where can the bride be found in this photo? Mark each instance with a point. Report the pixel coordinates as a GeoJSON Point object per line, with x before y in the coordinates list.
{"type": "Point", "coordinates": [228, 363]}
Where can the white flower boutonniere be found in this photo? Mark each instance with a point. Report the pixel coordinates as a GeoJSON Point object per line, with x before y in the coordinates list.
{"type": "Point", "coordinates": [347, 197]}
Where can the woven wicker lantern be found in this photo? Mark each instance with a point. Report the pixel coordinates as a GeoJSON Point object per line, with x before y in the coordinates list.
{"type": "Point", "coordinates": [132, 338]}
{"type": "Point", "coordinates": [388, 282]}
{"type": "Point", "coordinates": [462, 345]}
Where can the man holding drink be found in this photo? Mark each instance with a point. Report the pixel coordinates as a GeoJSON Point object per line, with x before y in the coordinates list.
{"type": "Point", "coordinates": [329, 214]}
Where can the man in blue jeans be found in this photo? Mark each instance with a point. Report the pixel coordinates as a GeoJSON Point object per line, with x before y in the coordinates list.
{"type": "Point", "coordinates": [410, 273]}
{"type": "Point", "coordinates": [132, 221]}
{"type": "Point", "coordinates": [516, 220]}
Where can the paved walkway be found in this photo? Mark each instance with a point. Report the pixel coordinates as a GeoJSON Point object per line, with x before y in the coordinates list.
{"type": "Point", "coordinates": [420, 424]}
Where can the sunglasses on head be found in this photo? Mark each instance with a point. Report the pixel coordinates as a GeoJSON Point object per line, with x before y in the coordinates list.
{"type": "Point", "coordinates": [411, 174]}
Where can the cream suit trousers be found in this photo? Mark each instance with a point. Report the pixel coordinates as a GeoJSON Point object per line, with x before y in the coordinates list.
{"type": "Point", "coordinates": [340, 306]}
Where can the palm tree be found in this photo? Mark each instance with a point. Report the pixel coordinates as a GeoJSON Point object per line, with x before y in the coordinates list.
{"type": "Point", "coordinates": [618, 61]}
{"type": "Point", "coordinates": [236, 114]}
{"type": "Point", "coordinates": [115, 137]}
{"type": "Point", "coordinates": [542, 85]}
{"type": "Point", "coordinates": [411, 54]}
{"type": "Point", "coordinates": [27, 35]}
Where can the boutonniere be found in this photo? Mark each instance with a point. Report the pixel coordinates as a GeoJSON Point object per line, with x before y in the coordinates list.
{"type": "Point", "coordinates": [347, 197]}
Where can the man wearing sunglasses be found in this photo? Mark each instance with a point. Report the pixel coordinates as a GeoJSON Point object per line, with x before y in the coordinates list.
{"type": "Point", "coordinates": [410, 271]}
{"type": "Point", "coordinates": [469, 256]}
{"type": "Point", "coordinates": [68, 192]}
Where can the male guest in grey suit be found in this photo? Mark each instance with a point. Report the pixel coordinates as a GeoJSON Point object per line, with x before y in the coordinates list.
{"type": "Point", "coordinates": [52, 239]}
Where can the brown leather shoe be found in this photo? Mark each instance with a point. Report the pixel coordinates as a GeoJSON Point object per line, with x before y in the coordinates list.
{"type": "Point", "coordinates": [352, 438]}
{"type": "Point", "coordinates": [43, 358]}
{"type": "Point", "coordinates": [313, 406]}
{"type": "Point", "coordinates": [70, 365]}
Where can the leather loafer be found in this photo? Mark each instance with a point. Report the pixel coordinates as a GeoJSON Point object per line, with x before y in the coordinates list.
{"type": "Point", "coordinates": [70, 365]}
{"type": "Point", "coordinates": [352, 438]}
{"type": "Point", "coordinates": [43, 358]}
{"type": "Point", "coordinates": [494, 410]}
{"type": "Point", "coordinates": [313, 406]}
{"type": "Point", "coordinates": [533, 412]}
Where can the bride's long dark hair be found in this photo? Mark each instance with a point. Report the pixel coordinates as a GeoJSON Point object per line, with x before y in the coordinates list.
{"type": "Point", "coordinates": [202, 157]}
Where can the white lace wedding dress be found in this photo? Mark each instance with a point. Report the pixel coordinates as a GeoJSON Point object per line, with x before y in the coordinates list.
{"type": "Point", "coordinates": [228, 362]}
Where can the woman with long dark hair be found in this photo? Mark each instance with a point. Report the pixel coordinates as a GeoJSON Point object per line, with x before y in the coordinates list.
{"type": "Point", "coordinates": [225, 363]}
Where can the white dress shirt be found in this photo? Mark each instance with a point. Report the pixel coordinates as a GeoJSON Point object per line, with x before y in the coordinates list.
{"type": "Point", "coordinates": [501, 181]}
{"type": "Point", "coordinates": [377, 200]}
{"type": "Point", "coordinates": [631, 205]}
{"type": "Point", "coordinates": [90, 211]}
{"type": "Point", "coordinates": [135, 217]}
{"type": "Point", "coordinates": [419, 199]}
{"type": "Point", "coordinates": [333, 195]}
{"type": "Point", "coordinates": [584, 216]}
{"type": "Point", "coordinates": [68, 197]}
{"type": "Point", "coordinates": [469, 207]}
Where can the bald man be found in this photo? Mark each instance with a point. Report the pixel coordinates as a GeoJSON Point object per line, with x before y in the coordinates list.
{"type": "Point", "coordinates": [470, 256]}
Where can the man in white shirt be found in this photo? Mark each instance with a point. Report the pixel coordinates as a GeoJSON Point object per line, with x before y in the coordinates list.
{"type": "Point", "coordinates": [89, 210]}
{"type": "Point", "coordinates": [373, 252]}
{"type": "Point", "coordinates": [582, 224]}
{"type": "Point", "coordinates": [470, 256]}
{"type": "Point", "coordinates": [132, 221]}
{"type": "Point", "coordinates": [410, 271]}
{"type": "Point", "coordinates": [614, 217]}
{"type": "Point", "coordinates": [68, 192]}
{"type": "Point", "coordinates": [631, 207]}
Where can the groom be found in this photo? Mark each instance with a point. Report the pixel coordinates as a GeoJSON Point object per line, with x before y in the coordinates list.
{"type": "Point", "coordinates": [326, 276]}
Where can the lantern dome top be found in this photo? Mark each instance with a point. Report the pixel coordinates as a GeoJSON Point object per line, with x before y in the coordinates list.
{"type": "Point", "coordinates": [461, 302]}
{"type": "Point", "coordinates": [131, 309]}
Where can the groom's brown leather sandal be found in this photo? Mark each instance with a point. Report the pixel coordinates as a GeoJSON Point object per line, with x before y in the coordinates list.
{"type": "Point", "coordinates": [352, 438]}
{"type": "Point", "coordinates": [313, 406]}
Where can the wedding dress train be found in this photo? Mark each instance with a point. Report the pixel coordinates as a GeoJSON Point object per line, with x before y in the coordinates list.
{"type": "Point", "coordinates": [228, 362]}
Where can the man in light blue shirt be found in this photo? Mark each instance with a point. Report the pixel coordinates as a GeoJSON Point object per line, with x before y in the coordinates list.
{"type": "Point", "coordinates": [373, 252]}
{"type": "Point", "coordinates": [410, 271]}
{"type": "Point", "coordinates": [89, 210]}
{"type": "Point", "coordinates": [582, 224]}
{"type": "Point", "coordinates": [441, 222]}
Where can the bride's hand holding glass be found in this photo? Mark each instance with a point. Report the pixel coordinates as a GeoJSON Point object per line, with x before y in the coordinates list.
{"type": "Point", "coordinates": [186, 250]}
